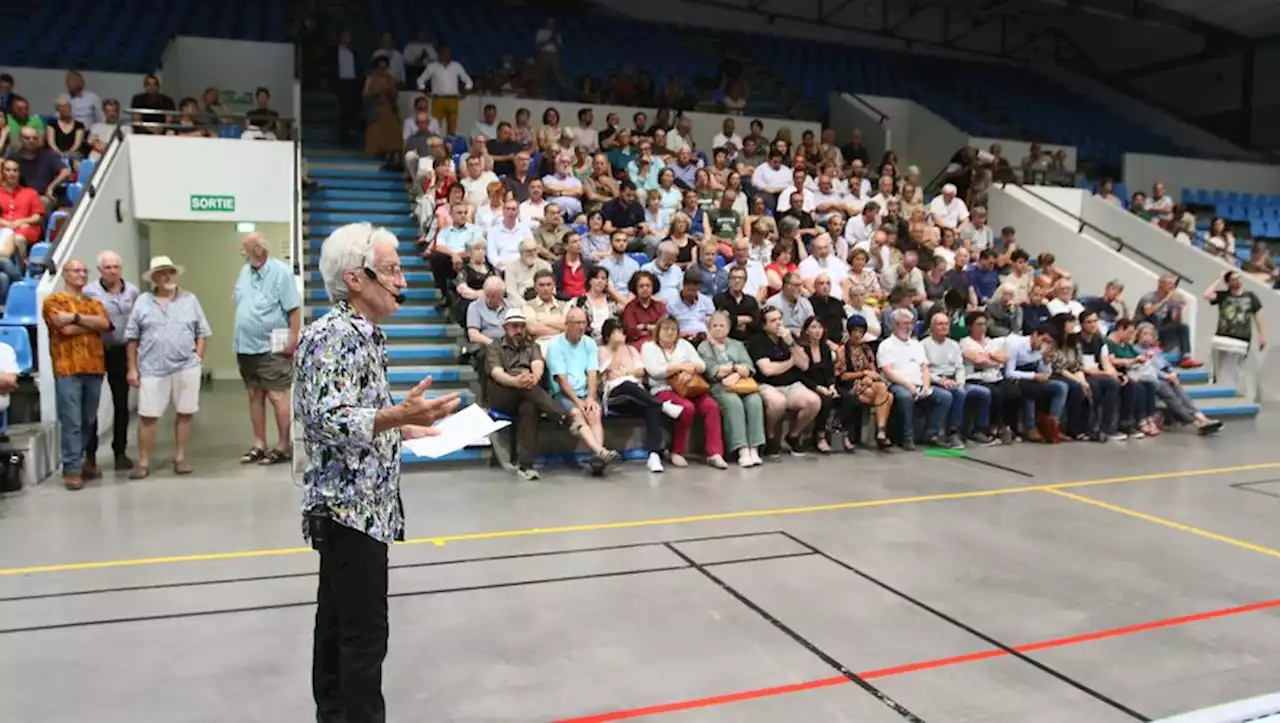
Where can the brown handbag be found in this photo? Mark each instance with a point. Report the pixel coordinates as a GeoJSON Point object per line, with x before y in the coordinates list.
{"type": "Point", "coordinates": [690, 385]}
{"type": "Point", "coordinates": [744, 386]}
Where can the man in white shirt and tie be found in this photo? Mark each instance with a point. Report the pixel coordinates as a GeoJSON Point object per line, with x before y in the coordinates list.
{"type": "Point", "coordinates": [448, 81]}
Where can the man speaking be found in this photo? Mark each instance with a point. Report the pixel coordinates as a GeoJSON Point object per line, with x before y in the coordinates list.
{"type": "Point", "coordinates": [351, 435]}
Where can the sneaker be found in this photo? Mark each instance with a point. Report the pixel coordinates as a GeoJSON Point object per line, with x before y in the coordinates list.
{"type": "Point", "coordinates": [794, 444]}
{"type": "Point", "coordinates": [1211, 426]}
{"type": "Point", "coordinates": [772, 448]}
{"type": "Point", "coordinates": [655, 462]}
{"type": "Point", "coordinates": [744, 458]}
{"type": "Point", "coordinates": [1117, 437]}
{"type": "Point", "coordinates": [908, 445]}
{"type": "Point", "coordinates": [527, 474]}
{"type": "Point", "coordinates": [932, 440]}
{"type": "Point", "coordinates": [1190, 363]}
{"type": "Point", "coordinates": [982, 438]}
{"type": "Point", "coordinates": [123, 463]}
{"type": "Point", "coordinates": [954, 441]}
{"type": "Point", "coordinates": [755, 457]}
{"type": "Point", "coordinates": [1005, 435]}
{"type": "Point", "coordinates": [672, 410]}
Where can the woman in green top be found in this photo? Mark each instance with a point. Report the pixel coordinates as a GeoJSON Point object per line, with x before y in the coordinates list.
{"type": "Point", "coordinates": [743, 414]}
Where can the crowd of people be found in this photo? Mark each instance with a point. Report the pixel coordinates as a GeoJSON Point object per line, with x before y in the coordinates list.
{"type": "Point", "coordinates": [155, 341]}
{"type": "Point", "coordinates": [778, 293]}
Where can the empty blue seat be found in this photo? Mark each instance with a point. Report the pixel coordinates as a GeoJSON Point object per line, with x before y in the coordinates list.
{"type": "Point", "coordinates": [20, 339]}
{"type": "Point", "coordinates": [87, 167]}
{"type": "Point", "coordinates": [639, 257]}
{"type": "Point", "coordinates": [1202, 197]}
{"type": "Point", "coordinates": [20, 305]}
{"type": "Point", "coordinates": [38, 258]}
{"type": "Point", "coordinates": [74, 192]}
{"type": "Point", "coordinates": [54, 218]}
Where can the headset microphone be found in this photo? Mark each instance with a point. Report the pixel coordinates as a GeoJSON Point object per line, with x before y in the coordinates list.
{"type": "Point", "coordinates": [373, 275]}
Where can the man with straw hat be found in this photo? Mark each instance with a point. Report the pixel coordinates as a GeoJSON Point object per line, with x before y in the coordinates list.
{"type": "Point", "coordinates": [166, 334]}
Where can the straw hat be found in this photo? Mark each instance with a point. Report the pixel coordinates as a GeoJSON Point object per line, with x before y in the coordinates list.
{"type": "Point", "coordinates": [160, 263]}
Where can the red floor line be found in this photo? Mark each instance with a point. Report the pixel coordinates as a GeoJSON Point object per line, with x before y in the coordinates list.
{"type": "Point", "coordinates": [922, 665]}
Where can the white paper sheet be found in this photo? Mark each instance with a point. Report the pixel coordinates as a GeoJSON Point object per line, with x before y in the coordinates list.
{"type": "Point", "coordinates": [460, 429]}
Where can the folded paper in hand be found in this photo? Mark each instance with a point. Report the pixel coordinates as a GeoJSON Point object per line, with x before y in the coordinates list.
{"type": "Point", "coordinates": [469, 426]}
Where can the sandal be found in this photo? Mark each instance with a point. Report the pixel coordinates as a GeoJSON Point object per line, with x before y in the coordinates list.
{"type": "Point", "coordinates": [182, 467]}
{"type": "Point", "coordinates": [882, 439]}
{"type": "Point", "coordinates": [140, 471]}
{"type": "Point", "coordinates": [255, 454]}
{"type": "Point", "coordinates": [276, 456]}
{"type": "Point", "coordinates": [849, 445]}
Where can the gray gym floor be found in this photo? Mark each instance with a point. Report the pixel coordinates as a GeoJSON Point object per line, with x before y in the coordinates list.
{"type": "Point", "coordinates": [868, 588]}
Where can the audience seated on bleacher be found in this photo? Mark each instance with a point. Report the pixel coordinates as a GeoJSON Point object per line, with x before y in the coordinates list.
{"type": "Point", "coordinates": [153, 100]}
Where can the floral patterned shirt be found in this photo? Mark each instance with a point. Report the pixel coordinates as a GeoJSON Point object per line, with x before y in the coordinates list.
{"type": "Point", "coordinates": [340, 385]}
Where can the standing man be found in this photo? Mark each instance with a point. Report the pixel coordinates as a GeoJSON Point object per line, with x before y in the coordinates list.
{"type": "Point", "coordinates": [86, 106]}
{"type": "Point", "coordinates": [347, 81]}
{"type": "Point", "coordinates": [267, 304]}
{"type": "Point", "coordinates": [117, 296]}
{"type": "Point", "coordinates": [75, 346]}
{"type": "Point", "coordinates": [448, 81]}
{"type": "Point", "coordinates": [351, 486]}
{"type": "Point", "coordinates": [167, 332]}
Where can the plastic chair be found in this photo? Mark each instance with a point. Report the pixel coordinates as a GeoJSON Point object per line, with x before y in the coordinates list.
{"type": "Point", "coordinates": [51, 227]}
{"type": "Point", "coordinates": [639, 257]}
{"type": "Point", "coordinates": [74, 192]}
{"type": "Point", "coordinates": [20, 306]}
{"type": "Point", "coordinates": [20, 340]}
{"type": "Point", "coordinates": [87, 167]}
{"type": "Point", "coordinates": [38, 259]}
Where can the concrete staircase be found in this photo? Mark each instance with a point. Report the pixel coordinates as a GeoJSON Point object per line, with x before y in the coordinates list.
{"type": "Point", "coordinates": [422, 341]}
{"type": "Point", "coordinates": [1217, 400]}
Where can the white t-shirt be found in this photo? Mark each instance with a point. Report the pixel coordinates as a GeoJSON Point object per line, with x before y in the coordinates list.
{"type": "Point", "coordinates": [8, 365]}
{"type": "Point", "coordinates": [784, 200]}
{"type": "Point", "coordinates": [986, 374]}
{"type": "Point", "coordinates": [478, 188]}
{"type": "Point", "coordinates": [858, 232]}
{"type": "Point", "coordinates": [834, 268]}
{"type": "Point", "coordinates": [721, 140]}
{"type": "Point", "coordinates": [906, 358]}
{"type": "Point", "coordinates": [953, 214]}
{"type": "Point", "coordinates": [766, 176]}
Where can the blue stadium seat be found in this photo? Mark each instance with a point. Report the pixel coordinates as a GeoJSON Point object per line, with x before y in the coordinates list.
{"type": "Point", "coordinates": [38, 258]}
{"type": "Point", "coordinates": [74, 192]}
{"type": "Point", "coordinates": [1203, 198]}
{"type": "Point", "coordinates": [53, 222]}
{"type": "Point", "coordinates": [87, 167]}
{"type": "Point", "coordinates": [639, 257]}
{"type": "Point", "coordinates": [20, 305]}
{"type": "Point", "coordinates": [20, 340]}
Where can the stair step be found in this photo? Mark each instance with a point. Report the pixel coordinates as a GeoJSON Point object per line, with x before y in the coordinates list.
{"type": "Point", "coordinates": [1193, 376]}
{"type": "Point", "coordinates": [389, 183]}
{"type": "Point", "coordinates": [406, 314]}
{"type": "Point", "coordinates": [413, 277]}
{"type": "Point", "coordinates": [1230, 409]}
{"type": "Point", "coordinates": [390, 203]}
{"type": "Point", "coordinates": [353, 169]}
{"type": "Point", "coordinates": [467, 396]}
{"type": "Point", "coordinates": [399, 217]}
{"type": "Point", "coordinates": [409, 376]}
{"type": "Point", "coordinates": [314, 154]}
{"type": "Point", "coordinates": [409, 294]}
{"type": "Point", "coordinates": [1205, 391]}
{"type": "Point", "coordinates": [424, 351]}
{"type": "Point", "coordinates": [356, 194]}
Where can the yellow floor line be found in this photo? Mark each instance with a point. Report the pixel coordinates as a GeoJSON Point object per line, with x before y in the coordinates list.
{"type": "Point", "coordinates": [1168, 523]}
{"type": "Point", "coordinates": [629, 524]}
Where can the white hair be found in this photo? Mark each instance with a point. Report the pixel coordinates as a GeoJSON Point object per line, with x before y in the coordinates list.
{"type": "Point", "coordinates": [107, 255]}
{"type": "Point", "coordinates": [63, 99]}
{"type": "Point", "coordinates": [949, 188]}
{"type": "Point", "coordinates": [494, 284]}
{"type": "Point", "coordinates": [902, 315]}
{"type": "Point", "coordinates": [348, 248]}
{"type": "Point", "coordinates": [257, 241]}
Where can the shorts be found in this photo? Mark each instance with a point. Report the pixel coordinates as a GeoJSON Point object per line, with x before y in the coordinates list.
{"type": "Point", "coordinates": [788, 392]}
{"type": "Point", "coordinates": [567, 403]}
{"type": "Point", "coordinates": [273, 372]}
{"type": "Point", "coordinates": [181, 388]}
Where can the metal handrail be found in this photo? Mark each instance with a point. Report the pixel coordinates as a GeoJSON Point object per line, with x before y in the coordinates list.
{"type": "Point", "coordinates": [1120, 245]}
{"type": "Point", "coordinates": [866, 104]}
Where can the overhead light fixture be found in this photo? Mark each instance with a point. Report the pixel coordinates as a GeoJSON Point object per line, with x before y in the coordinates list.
{"type": "Point", "coordinates": [245, 227]}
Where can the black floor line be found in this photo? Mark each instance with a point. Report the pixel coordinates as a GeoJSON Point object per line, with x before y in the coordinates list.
{"type": "Point", "coordinates": [994, 465]}
{"type": "Point", "coordinates": [405, 594]}
{"type": "Point", "coordinates": [823, 656]}
{"type": "Point", "coordinates": [402, 566]}
{"type": "Point", "coordinates": [972, 631]}
{"type": "Point", "coordinates": [1248, 487]}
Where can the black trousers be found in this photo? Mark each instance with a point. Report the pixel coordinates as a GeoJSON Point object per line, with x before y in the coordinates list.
{"type": "Point", "coordinates": [117, 360]}
{"type": "Point", "coordinates": [351, 628]}
{"type": "Point", "coordinates": [629, 397]}
{"type": "Point", "coordinates": [350, 107]}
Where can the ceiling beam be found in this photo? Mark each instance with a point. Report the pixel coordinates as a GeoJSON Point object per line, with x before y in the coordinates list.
{"type": "Point", "coordinates": [1208, 54]}
{"type": "Point", "coordinates": [1154, 12]}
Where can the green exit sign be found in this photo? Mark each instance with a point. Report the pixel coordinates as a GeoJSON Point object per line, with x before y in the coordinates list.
{"type": "Point", "coordinates": [202, 203]}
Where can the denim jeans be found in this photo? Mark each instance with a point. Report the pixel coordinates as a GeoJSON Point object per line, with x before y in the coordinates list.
{"type": "Point", "coordinates": [975, 397]}
{"type": "Point", "coordinates": [9, 273]}
{"type": "Point", "coordinates": [77, 399]}
{"type": "Point", "coordinates": [1055, 393]}
{"type": "Point", "coordinates": [904, 405]}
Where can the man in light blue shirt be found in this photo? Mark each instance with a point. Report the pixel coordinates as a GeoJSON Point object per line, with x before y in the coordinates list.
{"type": "Point", "coordinates": [267, 304]}
{"type": "Point", "coordinates": [664, 267]}
{"type": "Point", "coordinates": [620, 266]}
{"type": "Point", "coordinates": [86, 106]}
{"type": "Point", "coordinates": [1027, 372]}
{"type": "Point", "coordinates": [689, 306]}
{"type": "Point", "coordinates": [450, 250]}
{"type": "Point", "coordinates": [573, 361]}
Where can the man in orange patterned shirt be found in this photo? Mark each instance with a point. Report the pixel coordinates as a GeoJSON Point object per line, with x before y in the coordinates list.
{"type": "Point", "coordinates": [76, 323]}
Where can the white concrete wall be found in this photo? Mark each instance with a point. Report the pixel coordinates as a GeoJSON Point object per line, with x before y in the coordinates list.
{"type": "Point", "coordinates": [1091, 260]}
{"type": "Point", "coordinates": [1141, 170]}
{"type": "Point", "coordinates": [41, 86]}
{"type": "Point", "coordinates": [847, 112]}
{"type": "Point", "coordinates": [919, 136]}
{"type": "Point", "coordinates": [705, 125]}
{"type": "Point", "coordinates": [237, 68]}
{"type": "Point", "coordinates": [1015, 151]}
